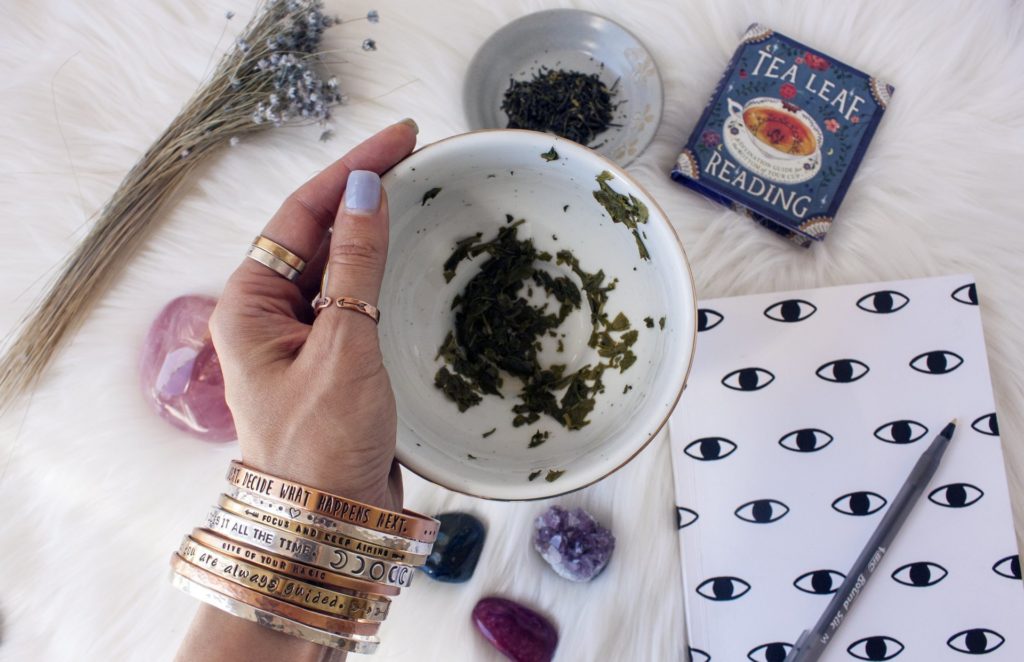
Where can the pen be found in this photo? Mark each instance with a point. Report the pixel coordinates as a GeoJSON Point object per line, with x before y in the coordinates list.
{"type": "Point", "coordinates": [811, 643]}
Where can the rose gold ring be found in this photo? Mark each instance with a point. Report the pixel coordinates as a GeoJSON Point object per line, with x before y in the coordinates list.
{"type": "Point", "coordinates": [349, 303]}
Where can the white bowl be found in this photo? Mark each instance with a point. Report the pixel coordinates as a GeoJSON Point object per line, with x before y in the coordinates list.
{"type": "Point", "coordinates": [483, 176]}
{"type": "Point", "coordinates": [579, 41]}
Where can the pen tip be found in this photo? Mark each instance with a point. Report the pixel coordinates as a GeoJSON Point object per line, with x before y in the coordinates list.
{"type": "Point", "coordinates": [947, 431]}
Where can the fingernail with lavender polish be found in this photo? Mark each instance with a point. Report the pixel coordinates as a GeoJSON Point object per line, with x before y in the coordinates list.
{"type": "Point", "coordinates": [362, 192]}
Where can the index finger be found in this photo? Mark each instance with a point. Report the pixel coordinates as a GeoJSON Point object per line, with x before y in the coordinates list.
{"type": "Point", "coordinates": [301, 223]}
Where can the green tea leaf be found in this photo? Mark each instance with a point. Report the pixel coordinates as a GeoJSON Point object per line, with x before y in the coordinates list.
{"type": "Point", "coordinates": [430, 195]}
{"type": "Point", "coordinates": [621, 208]}
{"type": "Point", "coordinates": [553, 475]}
{"type": "Point", "coordinates": [550, 155]}
{"type": "Point", "coordinates": [539, 438]}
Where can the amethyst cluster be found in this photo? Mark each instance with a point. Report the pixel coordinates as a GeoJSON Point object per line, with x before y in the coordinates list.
{"type": "Point", "coordinates": [573, 543]}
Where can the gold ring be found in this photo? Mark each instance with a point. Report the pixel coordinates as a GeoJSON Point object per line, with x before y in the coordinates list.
{"type": "Point", "coordinates": [333, 624]}
{"type": "Point", "coordinates": [318, 535]}
{"type": "Point", "coordinates": [275, 264]}
{"type": "Point", "coordinates": [280, 252]}
{"type": "Point", "coordinates": [268, 619]}
{"type": "Point", "coordinates": [292, 568]}
{"type": "Point", "coordinates": [285, 588]}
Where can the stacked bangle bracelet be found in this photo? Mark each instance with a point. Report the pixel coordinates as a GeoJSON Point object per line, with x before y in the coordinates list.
{"type": "Point", "coordinates": [302, 561]}
{"type": "Point", "coordinates": [406, 524]}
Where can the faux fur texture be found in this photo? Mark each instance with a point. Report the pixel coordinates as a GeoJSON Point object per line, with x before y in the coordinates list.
{"type": "Point", "coordinates": [96, 491]}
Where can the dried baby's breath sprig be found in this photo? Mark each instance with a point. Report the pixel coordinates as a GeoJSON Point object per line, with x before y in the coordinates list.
{"type": "Point", "coordinates": [270, 77]}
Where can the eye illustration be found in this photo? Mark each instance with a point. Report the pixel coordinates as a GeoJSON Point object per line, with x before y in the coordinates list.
{"type": "Point", "coordinates": [790, 310]}
{"type": "Point", "coordinates": [955, 495]}
{"type": "Point", "coordinates": [1008, 567]}
{"type": "Point", "coordinates": [762, 511]}
{"type": "Point", "coordinates": [842, 371]}
{"type": "Point", "coordinates": [875, 648]}
{"type": "Point", "coordinates": [938, 362]}
{"type": "Point", "coordinates": [685, 517]}
{"type": "Point", "coordinates": [859, 503]}
{"type": "Point", "coordinates": [748, 379]}
{"type": "Point", "coordinates": [976, 641]}
{"type": "Point", "coordinates": [987, 424]}
{"type": "Point", "coordinates": [920, 573]}
{"type": "Point", "coordinates": [708, 319]}
{"type": "Point", "coordinates": [819, 582]}
{"type": "Point", "coordinates": [966, 294]}
{"type": "Point", "coordinates": [806, 440]}
{"type": "Point", "coordinates": [697, 655]}
{"type": "Point", "coordinates": [901, 432]}
{"type": "Point", "coordinates": [883, 301]}
{"type": "Point", "coordinates": [710, 448]}
{"type": "Point", "coordinates": [721, 589]}
{"type": "Point", "coordinates": [773, 652]}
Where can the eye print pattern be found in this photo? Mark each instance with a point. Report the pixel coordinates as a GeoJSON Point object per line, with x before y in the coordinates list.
{"type": "Point", "coordinates": [710, 448]}
{"type": "Point", "coordinates": [987, 424]}
{"type": "Point", "coordinates": [748, 379]}
{"type": "Point", "coordinates": [819, 582]}
{"type": "Point", "coordinates": [901, 432]}
{"type": "Point", "coordinates": [721, 589]}
{"type": "Point", "coordinates": [977, 641]}
{"type": "Point", "coordinates": [806, 440]}
{"type": "Point", "coordinates": [883, 301]}
{"type": "Point", "coordinates": [937, 362]}
{"type": "Point", "coordinates": [1008, 567]}
{"type": "Point", "coordinates": [685, 517]}
{"type": "Point", "coordinates": [920, 573]}
{"type": "Point", "coordinates": [708, 319]}
{"type": "Point", "coordinates": [762, 511]}
{"type": "Point", "coordinates": [697, 655]}
{"type": "Point", "coordinates": [875, 648]}
{"type": "Point", "coordinates": [790, 310]}
{"type": "Point", "coordinates": [773, 652]}
{"type": "Point", "coordinates": [842, 371]}
{"type": "Point", "coordinates": [955, 495]}
{"type": "Point", "coordinates": [966, 294]}
{"type": "Point", "coordinates": [859, 503]}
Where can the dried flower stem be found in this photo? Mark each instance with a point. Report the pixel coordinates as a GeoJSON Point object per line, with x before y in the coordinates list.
{"type": "Point", "coordinates": [267, 79]}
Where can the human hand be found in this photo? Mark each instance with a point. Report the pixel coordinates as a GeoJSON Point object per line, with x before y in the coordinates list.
{"type": "Point", "coordinates": [310, 396]}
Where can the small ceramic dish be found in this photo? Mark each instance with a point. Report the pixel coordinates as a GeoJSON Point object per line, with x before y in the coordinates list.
{"type": "Point", "coordinates": [454, 188]}
{"type": "Point", "coordinates": [575, 40]}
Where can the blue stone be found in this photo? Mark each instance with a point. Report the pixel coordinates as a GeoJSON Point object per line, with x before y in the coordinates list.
{"type": "Point", "coordinates": [460, 540]}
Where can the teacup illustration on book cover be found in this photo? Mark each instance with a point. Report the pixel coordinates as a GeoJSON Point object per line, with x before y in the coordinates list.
{"type": "Point", "coordinates": [773, 138]}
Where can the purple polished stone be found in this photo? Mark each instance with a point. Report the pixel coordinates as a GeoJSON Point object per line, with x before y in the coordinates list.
{"type": "Point", "coordinates": [573, 542]}
{"type": "Point", "coordinates": [180, 373]}
{"type": "Point", "coordinates": [521, 634]}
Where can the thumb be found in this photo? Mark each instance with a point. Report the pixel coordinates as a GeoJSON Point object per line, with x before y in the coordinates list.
{"type": "Point", "coordinates": [358, 250]}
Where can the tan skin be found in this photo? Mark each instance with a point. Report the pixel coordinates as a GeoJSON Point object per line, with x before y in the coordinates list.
{"type": "Point", "coordinates": [310, 397]}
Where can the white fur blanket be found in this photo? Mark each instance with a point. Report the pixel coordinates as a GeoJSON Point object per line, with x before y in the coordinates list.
{"type": "Point", "coordinates": [96, 491]}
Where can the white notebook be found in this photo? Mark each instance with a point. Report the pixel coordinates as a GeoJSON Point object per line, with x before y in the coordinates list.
{"type": "Point", "coordinates": [804, 413]}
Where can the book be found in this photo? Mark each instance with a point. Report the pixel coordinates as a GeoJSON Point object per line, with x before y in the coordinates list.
{"type": "Point", "coordinates": [783, 134]}
{"type": "Point", "coordinates": [804, 413]}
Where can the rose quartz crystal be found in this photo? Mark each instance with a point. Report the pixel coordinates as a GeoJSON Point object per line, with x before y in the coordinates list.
{"type": "Point", "coordinates": [180, 373]}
